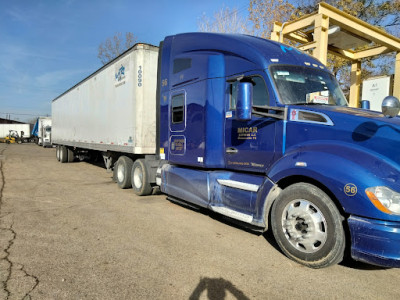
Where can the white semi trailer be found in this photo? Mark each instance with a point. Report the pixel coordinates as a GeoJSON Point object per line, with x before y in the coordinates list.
{"type": "Point", "coordinates": [20, 128]}
{"type": "Point", "coordinates": [113, 112]}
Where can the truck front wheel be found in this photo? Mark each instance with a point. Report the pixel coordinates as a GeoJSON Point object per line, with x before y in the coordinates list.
{"type": "Point", "coordinates": [123, 172]}
{"type": "Point", "coordinates": [307, 226]}
{"type": "Point", "coordinates": [140, 178]}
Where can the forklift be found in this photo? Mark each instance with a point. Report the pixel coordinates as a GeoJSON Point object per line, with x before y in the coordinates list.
{"type": "Point", "coordinates": [13, 137]}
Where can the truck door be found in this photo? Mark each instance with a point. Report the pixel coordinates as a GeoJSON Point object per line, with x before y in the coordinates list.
{"type": "Point", "coordinates": [249, 145]}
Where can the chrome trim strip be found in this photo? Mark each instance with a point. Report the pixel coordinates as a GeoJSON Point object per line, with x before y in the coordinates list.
{"type": "Point", "coordinates": [232, 214]}
{"type": "Point", "coordinates": [238, 185]}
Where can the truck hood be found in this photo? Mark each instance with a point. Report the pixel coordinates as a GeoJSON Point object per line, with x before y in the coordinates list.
{"type": "Point", "coordinates": [359, 112]}
{"type": "Point", "coordinates": [362, 128]}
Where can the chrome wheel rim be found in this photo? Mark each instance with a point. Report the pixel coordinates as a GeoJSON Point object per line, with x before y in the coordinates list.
{"type": "Point", "coordinates": [138, 178]}
{"type": "Point", "coordinates": [304, 226]}
{"type": "Point", "coordinates": [121, 173]}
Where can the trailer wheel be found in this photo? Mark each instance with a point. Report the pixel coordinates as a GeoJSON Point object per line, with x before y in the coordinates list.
{"type": "Point", "coordinates": [70, 155]}
{"type": "Point", "coordinates": [123, 172]}
{"type": "Point", "coordinates": [58, 152]}
{"type": "Point", "coordinates": [307, 226]}
{"type": "Point", "coordinates": [63, 154]}
{"type": "Point", "coordinates": [140, 178]}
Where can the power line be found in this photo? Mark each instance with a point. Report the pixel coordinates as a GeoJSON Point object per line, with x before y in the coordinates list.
{"type": "Point", "coordinates": [19, 114]}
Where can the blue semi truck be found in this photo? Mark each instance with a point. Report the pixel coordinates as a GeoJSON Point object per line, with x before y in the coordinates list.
{"type": "Point", "coordinates": [260, 132]}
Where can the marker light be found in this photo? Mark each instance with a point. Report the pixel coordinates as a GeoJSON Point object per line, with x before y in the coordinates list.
{"type": "Point", "coordinates": [384, 199]}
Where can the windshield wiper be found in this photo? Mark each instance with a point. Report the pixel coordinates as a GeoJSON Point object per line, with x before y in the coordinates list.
{"type": "Point", "coordinates": [304, 103]}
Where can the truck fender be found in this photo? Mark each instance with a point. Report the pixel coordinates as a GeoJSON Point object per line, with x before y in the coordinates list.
{"type": "Point", "coordinates": [269, 199]}
{"type": "Point", "coordinates": [342, 171]}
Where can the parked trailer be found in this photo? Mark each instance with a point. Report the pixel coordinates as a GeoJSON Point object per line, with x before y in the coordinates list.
{"type": "Point", "coordinates": [112, 111]}
{"type": "Point", "coordinates": [5, 130]}
{"type": "Point", "coordinates": [251, 129]}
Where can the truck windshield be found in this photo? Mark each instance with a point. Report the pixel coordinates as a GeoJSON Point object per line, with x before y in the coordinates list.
{"type": "Point", "coordinates": [302, 85]}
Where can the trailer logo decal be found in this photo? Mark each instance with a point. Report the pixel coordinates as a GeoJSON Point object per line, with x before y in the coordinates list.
{"type": "Point", "coordinates": [120, 75]}
{"type": "Point", "coordinates": [121, 71]}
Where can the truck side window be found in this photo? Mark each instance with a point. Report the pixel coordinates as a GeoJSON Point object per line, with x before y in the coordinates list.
{"type": "Point", "coordinates": [178, 108]}
{"type": "Point", "coordinates": [181, 64]}
{"type": "Point", "coordinates": [233, 95]}
{"type": "Point", "coordinates": [260, 93]}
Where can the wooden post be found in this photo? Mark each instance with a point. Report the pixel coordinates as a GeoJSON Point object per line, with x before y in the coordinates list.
{"type": "Point", "coordinates": [276, 32]}
{"type": "Point", "coordinates": [321, 38]}
{"type": "Point", "coordinates": [355, 82]}
{"type": "Point", "coordinates": [396, 88]}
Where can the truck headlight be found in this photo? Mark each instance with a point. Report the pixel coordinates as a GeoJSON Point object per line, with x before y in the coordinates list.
{"type": "Point", "coordinates": [384, 199]}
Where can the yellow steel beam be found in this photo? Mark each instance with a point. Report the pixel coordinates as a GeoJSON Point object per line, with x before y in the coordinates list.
{"type": "Point", "coordinates": [359, 27]}
{"type": "Point", "coordinates": [321, 37]}
{"type": "Point", "coordinates": [346, 54]}
{"type": "Point", "coordinates": [372, 52]}
{"type": "Point", "coordinates": [299, 24]}
{"type": "Point", "coordinates": [297, 38]}
{"type": "Point", "coordinates": [396, 89]}
{"type": "Point", "coordinates": [293, 36]}
{"type": "Point", "coordinates": [276, 31]}
{"type": "Point", "coordinates": [355, 82]}
{"type": "Point", "coordinates": [307, 46]}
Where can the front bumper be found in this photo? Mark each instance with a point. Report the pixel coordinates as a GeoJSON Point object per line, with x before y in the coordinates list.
{"type": "Point", "coordinates": [375, 242]}
{"type": "Point", "coordinates": [46, 142]}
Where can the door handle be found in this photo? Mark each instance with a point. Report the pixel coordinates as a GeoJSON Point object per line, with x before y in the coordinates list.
{"type": "Point", "coordinates": [231, 150]}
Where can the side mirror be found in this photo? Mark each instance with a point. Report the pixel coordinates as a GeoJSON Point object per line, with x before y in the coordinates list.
{"type": "Point", "coordinates": [243, 106]}
{"type": "Point", "coordinates": [365, 104]}
{"type": "Point", "coordinates": [390, 106]}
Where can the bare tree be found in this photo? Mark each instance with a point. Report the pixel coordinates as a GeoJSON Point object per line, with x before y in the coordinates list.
{"type": "Point", "coordinates": [225, 20]}
{"type": "Point", "coordinates": [114, 46]}
{"type": "Point", "coordinates": [263, 14]}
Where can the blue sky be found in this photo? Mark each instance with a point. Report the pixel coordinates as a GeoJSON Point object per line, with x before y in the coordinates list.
{"type": "Point", "coordinates": [48, 46]}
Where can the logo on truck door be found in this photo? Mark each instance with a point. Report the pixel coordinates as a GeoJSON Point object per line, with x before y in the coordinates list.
{"type": "Point", "coordinates": [177, 144]}
{"type": "Point", "coordinates": [247, 133]}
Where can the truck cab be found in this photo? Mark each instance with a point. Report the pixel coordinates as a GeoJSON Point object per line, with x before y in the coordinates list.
{"type": "Point", "coordinates": [262, 133]}
{"type": "Point", "coordinates": [46, 136]}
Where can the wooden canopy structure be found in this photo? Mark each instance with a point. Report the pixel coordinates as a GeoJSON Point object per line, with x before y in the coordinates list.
{"type": "Point", "coordinates": [331, 30]}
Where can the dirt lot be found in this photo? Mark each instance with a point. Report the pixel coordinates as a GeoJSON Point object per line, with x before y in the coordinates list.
{"type": "Point", "coordinates": [68, 232]}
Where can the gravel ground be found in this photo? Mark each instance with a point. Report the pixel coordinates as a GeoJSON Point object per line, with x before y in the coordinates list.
{"type": "Point", "coordinates": [68, 232]}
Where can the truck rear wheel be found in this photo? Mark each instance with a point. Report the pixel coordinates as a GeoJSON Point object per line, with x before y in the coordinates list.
{"type": "Point", "coordinates": [71, 155]}
{"type": "Point", "coordinates": [63, 154]}
{"type": "Point", "coordinates": [307, 226]}
{"type": "Point", "coordinates": [123, 172]}
{"type": "Point", "coordinates": [58, 152]}
{"type": "Point", "coordinates": [140, 178]}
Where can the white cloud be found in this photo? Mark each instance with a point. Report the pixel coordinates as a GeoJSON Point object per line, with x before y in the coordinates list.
{"type": "Point", "coordinates": [17, 15]}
